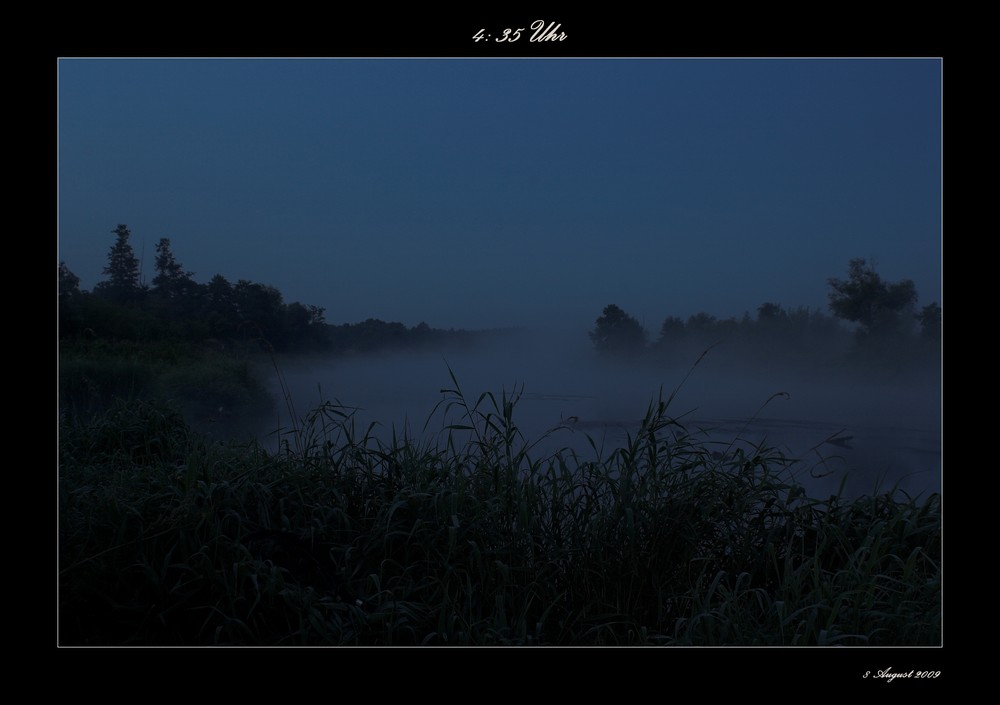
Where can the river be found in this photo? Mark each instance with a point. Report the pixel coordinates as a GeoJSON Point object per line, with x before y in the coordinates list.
{"type": "Point", "coordinates": [860, 433]}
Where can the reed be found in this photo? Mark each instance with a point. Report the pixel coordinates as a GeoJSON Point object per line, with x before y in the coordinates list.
{"type": "Point", "coordinates": [471, 536]}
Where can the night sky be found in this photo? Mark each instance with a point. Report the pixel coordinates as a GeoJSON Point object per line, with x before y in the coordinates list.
{"type": "Point", "coordinates": [482, 193]}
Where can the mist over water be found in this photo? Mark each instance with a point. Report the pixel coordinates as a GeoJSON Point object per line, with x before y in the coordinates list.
{"type": "Point", "coordinates": [866, 432]}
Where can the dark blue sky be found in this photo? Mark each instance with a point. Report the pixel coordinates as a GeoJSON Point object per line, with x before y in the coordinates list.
{"type": "Point", "coordinates": [508, 192]}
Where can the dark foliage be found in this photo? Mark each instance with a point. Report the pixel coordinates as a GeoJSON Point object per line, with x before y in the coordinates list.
{"type": "Point", "coordinates": [866, 299]}
{"type": "Point", "coordinates": [122, 284]}
{"type": "Point", "coordinates": [618, 333]}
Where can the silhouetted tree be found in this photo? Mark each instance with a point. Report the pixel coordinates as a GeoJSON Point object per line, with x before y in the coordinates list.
{"type": "Point", "coordinates": [69, 283]}
{"type": "Point", "coordinates": [317, 315]}
{"type": "Point", "coordinates": [219, 296]}
{"type": "Point", "coordinates": [866, 299]}
{"type": "Point", "coordinates": [219, 307]}
{"type": "Point", "coordinates": [768, 311]}
{"type": "Point", "coordinates": [261, 307]}
{"type": "Point", "coordinates": [618, 332]}
{"type": "Point", "coordinates": [171, 281]}
{"type": "Point", "coordinates": [701, 322]}
{"type": "Point", "coordinates": [930, 322]}
{"type": "Point", "coordinates": [122, 284]}
{"type": "Point", "coordinates": [304, 326]}
{"type": "Point", "coordinates": [671, 330]}
{"type": "Point", "coordinates": [69, 302]}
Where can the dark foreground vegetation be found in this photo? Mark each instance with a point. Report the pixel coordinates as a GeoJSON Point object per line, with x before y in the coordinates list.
{"type": "Point", "coordinates": [172, 533]}
{"type": "Point", "coordinates": [339, 538]}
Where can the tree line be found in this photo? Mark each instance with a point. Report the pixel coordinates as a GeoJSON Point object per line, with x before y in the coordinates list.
{"type": "Point", "coordinates": [886, 324]}
{"type": "Point", "coordinates": [174, 306]}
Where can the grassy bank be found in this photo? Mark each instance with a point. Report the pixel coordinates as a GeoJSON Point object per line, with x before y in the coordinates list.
{"type": "Point", "coordinates": [340, 538]}
{"type": "Point", "coordinates": [213, 388]}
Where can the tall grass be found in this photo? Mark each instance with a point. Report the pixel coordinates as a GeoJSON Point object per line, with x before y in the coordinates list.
{"type": "Point", "coordinates": [468, 538]}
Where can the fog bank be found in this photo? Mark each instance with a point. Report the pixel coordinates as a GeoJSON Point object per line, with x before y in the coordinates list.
{"type": "Point", "coordinates": [876, 432]}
